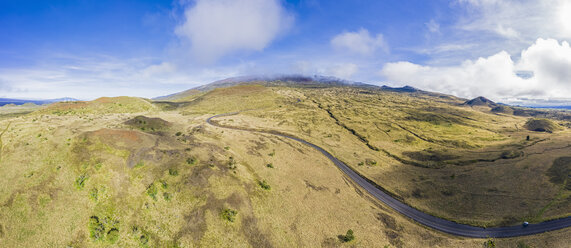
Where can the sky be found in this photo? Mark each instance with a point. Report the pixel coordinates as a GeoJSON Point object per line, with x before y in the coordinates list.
{"type": "Point", "coordinates": [511, 51]}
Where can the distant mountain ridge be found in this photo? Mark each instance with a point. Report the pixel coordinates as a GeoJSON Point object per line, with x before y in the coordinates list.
{"type": "Point", "coordinates": [6, 101]}
{"type": "Point", "coordinates": [481, 101]}
{"type": "Point", "coordinates": [298, 80]}
{"type": "Point", "coordinates": [315, 81]}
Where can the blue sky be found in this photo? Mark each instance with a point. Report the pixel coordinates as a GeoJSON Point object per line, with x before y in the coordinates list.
{"type": "Point", "coordinates": [510, 51]}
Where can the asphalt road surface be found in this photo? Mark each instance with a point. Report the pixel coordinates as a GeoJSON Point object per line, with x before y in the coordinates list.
{"type": "Point", "coordinates": [416, 215]}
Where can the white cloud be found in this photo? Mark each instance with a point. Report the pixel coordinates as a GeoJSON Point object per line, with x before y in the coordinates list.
{"type": "Point", "coordinates": [216, 28]}
{"type": "Point", "coordinates": [433, 26]}
{"type": "Point", "coordinates": [519, 19]}
{"type": "Point", "coordinates": [564, 17]}
{"type": "Point", "coordinates": [360, 42]}
{"type": "Point", "coordinates": [495, 76]}
{"type": "Point", "coordinates": [161, 69]}
{"type": "Point", "coordinates": [550, 61]}
{"type": "Point", "coordinates": [96, 76]}
{"type": "Point", "coordinates": [506, 32]}
{"type": "Point", "coordinates": [344, 71]}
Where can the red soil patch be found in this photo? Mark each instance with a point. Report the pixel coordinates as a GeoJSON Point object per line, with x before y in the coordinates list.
{"type": "Point", "coordinates": [112, 135]}
{"type": "Point", "coordinates": [122, 139]}
{"type": "Point", "coordinates": [105, 100]}
{"type": "Point", "coordinates": [67, 105]}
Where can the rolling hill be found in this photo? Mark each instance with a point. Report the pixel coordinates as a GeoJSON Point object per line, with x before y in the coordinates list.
{"type": "Point", "coordinates": [132, 172]}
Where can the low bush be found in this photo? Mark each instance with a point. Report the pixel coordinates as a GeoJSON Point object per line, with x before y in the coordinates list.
{"type": "Point", "coordinates": [264, 185]}
{"type": "Point", "coordinates": [113, 235]}
{"type": "Point", "coordinates": [80, 181]}
{"type": "Point", "coordinates": [191, 161]}
{"type": "Point", "coordinates": [96, 229]}
{"type": "Point", "coordinates": [166, 196]}
{"type": "Point", "coordinates": [229, 214]}
{"type": "Point", "coordinates": [347, 237]}
{"type": "Point", "coordinates": [152, 191]}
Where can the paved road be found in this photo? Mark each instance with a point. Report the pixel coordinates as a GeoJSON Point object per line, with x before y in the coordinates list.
{"type": "Point", "coordinates": [418, 216]}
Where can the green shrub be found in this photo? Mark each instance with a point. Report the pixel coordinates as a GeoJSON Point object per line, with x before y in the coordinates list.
{"type": "Point", "coordinates": [93, 194]}
{"type": "Point", "coordinates": [80, 181]}
{"type": "Point", "coordinates": [113, 235]}
{"type": "Point", "coordinates": [96, 229]}
{"type": "Point", "coordinates": [227, 148]}
{"type": "Point", "coordinates": [152, 191]}
{"type": "Point", "coordinates": [166, 196]}
{"type": "Point", "coordinates": [231, 163]}
{"type": "Point", "coordinates": [178, 133]}
{"type": "Point", "coordinates": [270, 165]}
{"type": "Point", "coordinates": [490, 243]}
{"type": "Point", "coordinates": [191, 161]}
{"type": "Point", "coordinates": [229, 214]}
{"type": "Point", "coordinates": [272, 153]}
{"type": "Point", "coordinates": [347, 237]}
{"type": "Point", "coordinates": [173, 172]}
{"type": "Point", "coordinates": [264, 185]}
{"type": "Point", "coordinates": [144, 239]}
{"type": "Point", "coordinates": [521, 244]}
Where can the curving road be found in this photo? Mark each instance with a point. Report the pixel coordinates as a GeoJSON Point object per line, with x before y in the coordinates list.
{"type": "Point", "coordinates": [418, 216]}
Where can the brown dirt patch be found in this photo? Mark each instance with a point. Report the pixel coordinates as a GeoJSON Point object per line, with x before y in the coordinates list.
{"type": "Point", "coordinates": [387, 220]}
{"type": "Point", "coordinates": [67, 105]}
{"type": "Point", "coordinates": [560, 172]}
{"type": "Point", "coordinates": [394, 238]}
{"type": "Point", "coordinates": [255, 237]}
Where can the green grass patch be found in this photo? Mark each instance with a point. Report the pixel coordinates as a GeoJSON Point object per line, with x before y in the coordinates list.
{"type": "Point", "coordinates": [229, 214]}
{"type": "Point", "coordinates": [139, 164]}
{"type": "Point", "coordinates": [173, 172]}
{"type": "Point", "coordinates": [152, 191]}
{"type": "Point", "coordinates": [80, 181]}
{"type": "Point", "coordinates": [94, 194]}
{"type": "Point", "coordinates": [166, 196]}
{"type": "Point", "coordinates": [96, 229]}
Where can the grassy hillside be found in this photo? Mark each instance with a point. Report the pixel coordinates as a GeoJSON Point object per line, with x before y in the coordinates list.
{"type": "Point", "coordinates": [126, 172]}
{"type": "Point", "coordinates": [103, 105]}
{"type": "Point", "coordinates": [436, 154]}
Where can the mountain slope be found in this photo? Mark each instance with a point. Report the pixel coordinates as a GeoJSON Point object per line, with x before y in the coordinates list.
{"type": "Point", "coordinates": [128, 172]}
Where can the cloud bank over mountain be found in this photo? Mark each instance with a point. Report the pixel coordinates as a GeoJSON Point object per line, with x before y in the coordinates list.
{"type": "Point", "coordinates": [543, 71]}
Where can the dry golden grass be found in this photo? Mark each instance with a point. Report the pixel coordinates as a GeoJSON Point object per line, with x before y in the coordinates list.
{"type": "Point", "coordinates": [168, 187]}
{"type": "Point", "coordinates": [449, 160]}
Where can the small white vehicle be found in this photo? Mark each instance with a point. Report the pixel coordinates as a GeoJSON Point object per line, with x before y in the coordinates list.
{"type": "Point", "coordinates": [525, 224]}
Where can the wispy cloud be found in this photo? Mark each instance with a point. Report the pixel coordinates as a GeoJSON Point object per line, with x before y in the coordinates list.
{"type": "Point", "coordinates": [432, 26]}
{"type": "Point", "coordinates": [107, 76]}
{"type": "Point", "coordinates": [360, 42]}
{"type": "Point", "coordinates": [519, 19]}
